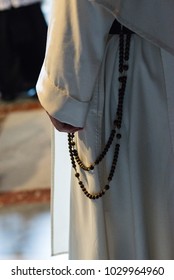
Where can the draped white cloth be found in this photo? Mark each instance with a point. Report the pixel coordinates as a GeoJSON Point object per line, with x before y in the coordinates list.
{"type": "Point", "coordinates": [78, 85]}
{"type": "Point", "coordinates": [152, 20]}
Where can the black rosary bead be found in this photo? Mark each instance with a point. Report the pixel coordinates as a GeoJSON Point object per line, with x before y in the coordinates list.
{"type": "Point", "coordinates": [107, 187]}
{"type": "Point", "coordinates": [77, 175]}
{"type": "Point", "coordinates": [125, 67]}
{"type": "Point", "coordinates": [118, 136]}
{"type": "Point", "coordinates": [75, 153]}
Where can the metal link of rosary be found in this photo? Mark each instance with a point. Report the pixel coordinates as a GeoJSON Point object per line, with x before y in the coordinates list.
{"type": "Point", "coordinates": [124, 50]}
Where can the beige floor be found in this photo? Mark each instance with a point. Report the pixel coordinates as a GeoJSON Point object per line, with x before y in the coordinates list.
{"type": "Point", "coordinates": [25, 150]}
{"type": "Point", "coordinates": [24, 166]}
{"type": "Point", "coordinates": [23, 231]}
{"type": "Point", "coordinates": [25, 180]}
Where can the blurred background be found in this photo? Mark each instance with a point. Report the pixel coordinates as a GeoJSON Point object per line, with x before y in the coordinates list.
{"type": "Point", "coordinates": [25, 135]}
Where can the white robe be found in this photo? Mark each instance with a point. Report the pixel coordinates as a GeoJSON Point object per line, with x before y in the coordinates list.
{"type": "Point", "coordinates": [78, 85]}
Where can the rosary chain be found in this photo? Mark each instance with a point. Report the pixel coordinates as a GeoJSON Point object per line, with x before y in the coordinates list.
{"type": "Point", "coordinates": [124, 51]}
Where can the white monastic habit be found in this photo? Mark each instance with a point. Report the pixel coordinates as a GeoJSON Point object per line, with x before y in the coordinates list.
{"type": "Point", "coordinates": [78, 85]}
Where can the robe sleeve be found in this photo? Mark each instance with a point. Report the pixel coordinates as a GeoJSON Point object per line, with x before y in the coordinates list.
{"type": "Point", "coordinates": [76, 41]}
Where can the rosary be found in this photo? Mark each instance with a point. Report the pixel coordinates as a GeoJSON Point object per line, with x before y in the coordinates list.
{"type": "Point", "coordinates": [124, 50]}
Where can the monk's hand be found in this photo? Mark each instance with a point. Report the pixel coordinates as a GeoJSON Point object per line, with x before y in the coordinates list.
{"type": "Point", "coordinates": [63, 127]}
